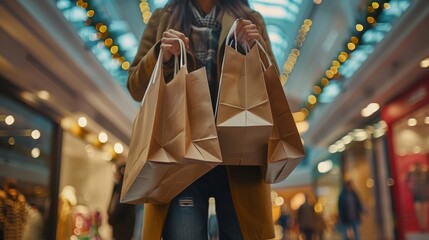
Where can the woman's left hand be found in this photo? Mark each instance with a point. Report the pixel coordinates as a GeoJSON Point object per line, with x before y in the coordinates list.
{"type": "Point", "coordinates": [247, 32]}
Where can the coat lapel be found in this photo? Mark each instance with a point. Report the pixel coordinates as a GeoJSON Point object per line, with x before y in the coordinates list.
{"type": "Point", "coordinates": [226, 23]}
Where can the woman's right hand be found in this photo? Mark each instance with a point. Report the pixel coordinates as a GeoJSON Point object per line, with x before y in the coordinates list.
{"type": "Point", "coordinates": [170, 45]}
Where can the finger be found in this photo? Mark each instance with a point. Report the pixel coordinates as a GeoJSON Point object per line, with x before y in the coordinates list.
{"type": "Point", "coordinates": [168, 51]}
{"type": "Point", "coordinates": [254, 35]}
{"type": "Point", "coordinates": [248, 35]}
{"type": "Point", "coordinates": [245, 35]}
{"type": "Point", "coordinates": [172, 41]}
{"type": "Point", "coordinates": [170, 47]}
{"type": "Point", "coordinates": [166, 54]}
{"type": "Point", "coordinates": [243, 22]}
{"type": "Point", "coordinates": [251, 38]}
{"type": "Point", "coordinates": [179, 35]}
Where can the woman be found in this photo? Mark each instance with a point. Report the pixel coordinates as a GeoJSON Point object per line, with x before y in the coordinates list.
{"type": "Point", "coordinates": [243, 201]}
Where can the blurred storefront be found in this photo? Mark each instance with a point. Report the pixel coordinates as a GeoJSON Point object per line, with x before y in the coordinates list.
{"type": "Point", "coordinates": [29, 140]}
{"type": "Point", "coordinates": [54, 171]}
{"type": "Point", "coordinates": [64, 122]}
{"type": "Point", "coordinates": [361, 157]}
{"type": "Point", "coordinates": [327, 186]}
{"type": "Point", "coordinates": [407, 117]}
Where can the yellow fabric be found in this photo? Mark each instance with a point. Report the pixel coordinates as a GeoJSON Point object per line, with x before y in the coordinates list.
{"type": "Point", "coordinates": [251, 196]}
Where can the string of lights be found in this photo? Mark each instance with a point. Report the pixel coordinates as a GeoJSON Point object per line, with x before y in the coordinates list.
{"type": "Point", "coordinates": [369, 20]}
{"type": "Point", "coordinates": [103, 33]}
{"type": "Point", "coordinates": [293, 56]}
{"type": "Point", "coordinates": [145, 10]}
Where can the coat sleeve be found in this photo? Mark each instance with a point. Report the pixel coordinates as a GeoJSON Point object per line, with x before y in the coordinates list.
{"type": "Point", "coordinates": [144, 62]}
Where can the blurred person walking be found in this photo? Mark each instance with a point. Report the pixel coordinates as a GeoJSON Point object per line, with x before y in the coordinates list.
{"type": "Point", "coordinates": [285, 220]}
{"type": "Point", "coordinates": [203, 26]}
{"type": "Point", "coordinates": [319, 226]}
{"type": "Point", "coordinates": [350, 210]}
{"type": "Point", "coordinates": [417, 181]}
{"type": "Point", "coordinates": [121, 216]}
{"type": "Point", "coordinates": [306, 219]}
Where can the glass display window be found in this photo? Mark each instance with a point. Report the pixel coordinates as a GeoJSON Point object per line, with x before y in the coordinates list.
{"type": "Point", "coordinates": [411, 149]}
{"type": "Point", "coordinates": [86, 184]}
{"type": "Point", "coordinates": [407, 118]}
{"type": "Point", "coordinates": [26, 153]}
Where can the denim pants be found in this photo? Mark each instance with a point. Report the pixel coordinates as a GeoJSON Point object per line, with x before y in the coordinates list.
{"type": "Point", "coordinates": [188, 213]}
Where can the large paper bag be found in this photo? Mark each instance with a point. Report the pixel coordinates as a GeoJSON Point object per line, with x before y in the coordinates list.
{"type": "Point", "coordinates": [161, 162]}
{"type": "Point", "coordinates": [204, 144]}
{"type": "Point", "coordinates": [285, 149]}
{"type": "Point", "coordinates": [243, 120]}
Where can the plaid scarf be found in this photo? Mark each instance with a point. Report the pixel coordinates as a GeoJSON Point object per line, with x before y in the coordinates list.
{"type": "Point", "coordinates": [205, 33]}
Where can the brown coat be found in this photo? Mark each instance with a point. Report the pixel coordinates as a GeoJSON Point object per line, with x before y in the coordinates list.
{"type": "Point", "coordinates": [251, 196]}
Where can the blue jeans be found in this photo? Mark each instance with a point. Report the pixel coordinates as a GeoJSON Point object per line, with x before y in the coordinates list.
{"type": "Point", "coordinates": [188, 213]}
{"type": "Point", "coordinates": [355, 227]}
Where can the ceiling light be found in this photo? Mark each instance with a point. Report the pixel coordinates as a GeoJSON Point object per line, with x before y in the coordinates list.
{"type": "Point", "coordinates": [359, 27]}
{"type": "Point", "coordinates": [360, 134]}
{"type": "Point", "coordinates": [375, 5]}
{"type": "Point", "coordinates": [412, 122]}
{"type": "Point", "coordinates": [424, 63]}
{"type": "Point", "coordinates": [351, 46]}
{"type": "Point", "coordinates": [325, 166]}
{"type": "Point", "coordinates": [312, 99]}
{"type": "Point", "coordinates": [82, 122]}
{"type": "Point", "coordinates": [426, 120]}
{"type": "Point", "coordinates": [370, 109]}
{"type": "Point", "coordinates": [35, 152]}
{"type": "Point", "coordinates": [118, 148]}
{"type": "Point", "coordinates": [102, 137]}
{"type": "Point", "coordinates": [340, 145]}
{"type": "Point", "coordinates": [347, 139]}
{"type": "Point", "coordinates": [333, 148]}
{"type": "Point", "coordinates": [278, 201]}
{"type": "Point", "coordinates": [35, 134]}
{"type": "Point", "coordinates": [45, 95]}
{"type": "Point", "coordinates": [317, 90]}
{"type": "Point", "coordinates": [9, 120]}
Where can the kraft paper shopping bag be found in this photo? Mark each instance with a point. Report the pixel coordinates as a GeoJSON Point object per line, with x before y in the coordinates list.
{"type": "Point", "coordinates": [285, 149]}
{"type": "Point", "coordinates": [204, 144]}
{"type": "Point", "coordinates": [243, 120]}
{"type": "Point", "coordinates": [162, 160]}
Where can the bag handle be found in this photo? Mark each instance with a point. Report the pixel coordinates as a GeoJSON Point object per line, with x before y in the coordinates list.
{"type": "Point", "coordinates": [232, 33]}
{"type": "Point", "coordinates": [159, 65]}
{"type": "Point", "coordinates": [183, 58]}
{"type": "Point", "coordinates": [266, 55]}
